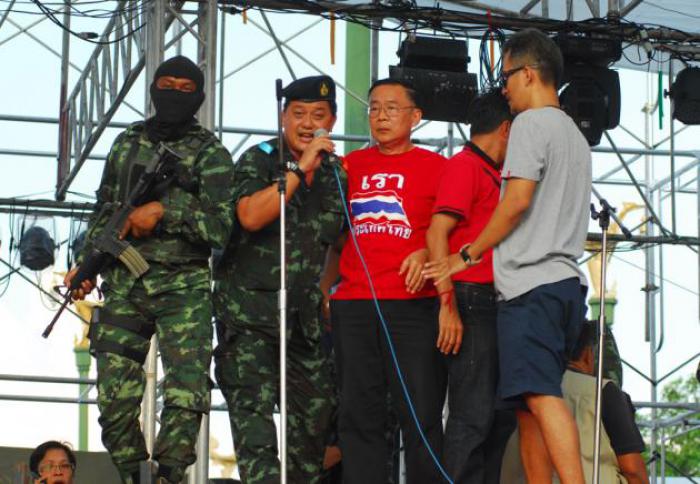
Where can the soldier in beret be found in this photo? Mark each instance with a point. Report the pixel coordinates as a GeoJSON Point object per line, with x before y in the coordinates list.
{"type": "Point", "coordinates": [246, 291]}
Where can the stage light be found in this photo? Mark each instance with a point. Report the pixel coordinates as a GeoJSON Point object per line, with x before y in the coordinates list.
{"type": "Point", "coordinates": [685, 96]}
{"type": "Point", "coordinates": [591, 93]}
{"type": "Point", "coordinates": [437, 69]}
{"type": "Point", "coordinates": [591, 96]}
{"type": "Point", "coordinates": [36, 249]}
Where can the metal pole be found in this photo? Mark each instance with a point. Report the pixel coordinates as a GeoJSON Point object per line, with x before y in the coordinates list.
{"type": "Point", "coordinates": [206, 58]}
{"type": "Point", "coordinates": [663, 455]}
{"type": "Point", "coordinates": [148, 406]}
{"type": "Point", "coordinates": [604, 219]}
{"type": "Point", "coordinates": [63, 110]}
{"type": "Point", "coordinates": [154, 56]}
{"type": "Point", "coordinates": [650, 287]}
{"type": "Point", "coordinates": [374, 50]}
{"type": "Point", "coordinates": [222, 58]}
{"type": "Point", "coordinates": [278, 44]}
{"type": "Point", "coordinates": [198, 473]}
{"type": "Point", "coordinates": [282, 188]}
{"type": "Point", "coordinates": [673, 160]}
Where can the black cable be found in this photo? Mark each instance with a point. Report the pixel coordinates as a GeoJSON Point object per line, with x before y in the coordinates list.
{"type": "Point", "coordinates": [489, 78]}
{"type": "Point", "coordinates": [51, 15]}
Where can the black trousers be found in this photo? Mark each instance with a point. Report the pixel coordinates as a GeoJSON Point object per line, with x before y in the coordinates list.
{"type": "Point", "coordinates": [475, 435]}
{"type": "Point", "coordinates": [366, 373]}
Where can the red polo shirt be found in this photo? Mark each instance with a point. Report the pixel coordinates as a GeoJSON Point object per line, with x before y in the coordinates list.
{"type": "Point", "coordinates": [469, 189]}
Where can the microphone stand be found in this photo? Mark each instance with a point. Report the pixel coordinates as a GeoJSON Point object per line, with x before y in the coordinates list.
{"type": "Point", "coordinates": [282, 188]}
{"type": "Point", "coordinates": [603, 218]}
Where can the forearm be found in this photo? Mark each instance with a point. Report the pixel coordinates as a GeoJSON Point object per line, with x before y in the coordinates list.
{"type": "Point", "coordinates": [633, 468]}
{"type": "Point", "coordinates": [263, 207]}
{"type": "Point", "coordinates": [438, 248]}
{"type": "Point", "coordinates": [331, 271]}
{"type": "Point", "coordinates": [504, 219]}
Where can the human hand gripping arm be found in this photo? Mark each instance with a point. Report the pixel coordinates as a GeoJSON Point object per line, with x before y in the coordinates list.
{"type": "Point", "coordinates": [412, 267]}
{"type": "Point", "coordinates": [450, 325]}
{"type": "Point", "coordinates": [515, 202]}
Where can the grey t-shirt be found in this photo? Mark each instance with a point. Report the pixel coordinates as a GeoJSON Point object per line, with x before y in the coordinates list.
{"type": "Point", "coordinates": [545, 146]}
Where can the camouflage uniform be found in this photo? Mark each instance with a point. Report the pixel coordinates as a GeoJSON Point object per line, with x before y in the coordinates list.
{"type": "Point", "coordinates": [245, 304]}
{"type": "Point", "coordinates": [172, 299]}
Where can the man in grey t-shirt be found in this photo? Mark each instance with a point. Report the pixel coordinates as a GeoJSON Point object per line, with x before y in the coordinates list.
{"type": "Point", "coordinates": [538, 230]}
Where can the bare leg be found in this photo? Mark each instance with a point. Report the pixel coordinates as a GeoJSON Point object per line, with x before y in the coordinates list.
{"type": "Point", "coordinates": [560, 435]}
{"type": "Point", "coordinates": [533, 452]}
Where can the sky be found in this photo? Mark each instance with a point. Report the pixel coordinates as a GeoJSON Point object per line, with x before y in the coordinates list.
{"type": "Point", "coordinates": [30, 86]}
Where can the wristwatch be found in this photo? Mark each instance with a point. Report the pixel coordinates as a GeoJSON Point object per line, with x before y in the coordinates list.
{"type": "Point", "coordinates": [468, 261]}
{"type": "Point", "coordinates": [293, 166]}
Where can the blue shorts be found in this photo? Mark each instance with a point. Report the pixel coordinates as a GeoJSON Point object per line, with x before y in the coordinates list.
{"type": "Point", "coordinates": [537, 332]}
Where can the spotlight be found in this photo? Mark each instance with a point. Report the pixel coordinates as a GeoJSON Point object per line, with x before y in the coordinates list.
{"type": "Point", "coordinates": [36, 248]}
{"type": "Point", "coordinates": [685, 96]}
{"type": "Point", "coordinates": [437, 69]}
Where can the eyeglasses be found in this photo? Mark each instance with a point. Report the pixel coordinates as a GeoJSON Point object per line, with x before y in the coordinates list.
{"type": "Point", "coordinates": [391, 111]}
{"type": "Point", "coordinates": [45, 468]}
{"type": "Point", "coordinates": [505, 75]}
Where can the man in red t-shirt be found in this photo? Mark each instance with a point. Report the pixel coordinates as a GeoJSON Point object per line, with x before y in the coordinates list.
{"type": "Point", "coordinates": [391, 193]}
{"type": "Point", "coordinates": [476, 435]}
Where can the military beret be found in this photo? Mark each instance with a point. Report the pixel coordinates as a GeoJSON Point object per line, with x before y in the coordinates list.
{"type": "Point", "coordinates": [311, 89]}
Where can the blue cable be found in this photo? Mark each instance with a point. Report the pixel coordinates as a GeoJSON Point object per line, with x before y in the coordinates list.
{"type": "Point", "coordinates": [385, 328]}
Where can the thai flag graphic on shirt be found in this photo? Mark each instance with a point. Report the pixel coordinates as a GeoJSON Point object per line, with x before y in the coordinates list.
{"type": "Point", "coordinates": [384, 206]}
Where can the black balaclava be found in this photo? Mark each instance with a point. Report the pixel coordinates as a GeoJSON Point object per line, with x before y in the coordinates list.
{"type": "Point", "coordinates": [175, 109]}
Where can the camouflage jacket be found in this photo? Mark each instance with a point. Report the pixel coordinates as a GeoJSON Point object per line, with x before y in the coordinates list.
{"type": "Point", "coordinates": [198, 210]}
{"type": "Point", "coordinates": [314, 219]}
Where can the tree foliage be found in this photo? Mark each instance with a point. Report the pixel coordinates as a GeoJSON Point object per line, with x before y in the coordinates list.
{"type": "Point", "coordinates": [683, 438]}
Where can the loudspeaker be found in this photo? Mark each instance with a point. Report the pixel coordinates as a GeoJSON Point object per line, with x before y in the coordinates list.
{"type": "Point", "coordinates": [437, 69]}
{"type": "Point", "coordinates": [434, 53]}
{"type": "Point", "coordinates": [598, 51]}
{"type": "Point", "coordinates": [592, 98]}
{"type": "Point", "coordinates": [445, 96]}
{"type": "Point", "coordinates": [685, 96]}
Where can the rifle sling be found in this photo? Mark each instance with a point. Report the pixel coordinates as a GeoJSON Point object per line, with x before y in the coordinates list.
{"type": "Point", "coordinates": [144, 329]}
{"type": "Point", "coordinates": [118, 349]}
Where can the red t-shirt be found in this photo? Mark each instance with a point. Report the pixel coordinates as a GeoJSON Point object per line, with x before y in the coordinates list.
{"type": "Point", "coordinates": [469, 188]}
{"type": "Point", "coordinates": [391, 198]}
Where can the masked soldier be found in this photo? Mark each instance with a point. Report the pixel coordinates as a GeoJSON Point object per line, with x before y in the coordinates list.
{"type": "Point", "coordinates": [245, 294]}
{"type": "Point", "coordinates": [175, 234]}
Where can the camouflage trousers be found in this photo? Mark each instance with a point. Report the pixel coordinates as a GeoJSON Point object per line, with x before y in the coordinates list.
{"type": "Point", "coordinates": [182, 321]}
{"type": "Point", "coordinates": [247, 371]}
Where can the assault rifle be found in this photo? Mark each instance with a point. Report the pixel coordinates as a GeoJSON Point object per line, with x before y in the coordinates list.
{"type": "Point", "coordinates": [107, 247]}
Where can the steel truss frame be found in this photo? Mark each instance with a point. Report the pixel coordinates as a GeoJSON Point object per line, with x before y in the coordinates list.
{"type": "Point", "coordinates": [112, 70]}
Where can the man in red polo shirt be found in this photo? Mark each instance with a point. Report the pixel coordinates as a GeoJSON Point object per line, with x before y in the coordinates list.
{"type": "Point", "coordinates": [469, 189]}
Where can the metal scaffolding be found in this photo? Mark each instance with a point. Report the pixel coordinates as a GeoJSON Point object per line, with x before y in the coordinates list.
{"type": "Point", "coordinates": [138, 34]}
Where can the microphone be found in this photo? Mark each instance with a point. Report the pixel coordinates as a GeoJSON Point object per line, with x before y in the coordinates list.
{"type": "Point", "coordinates": [332, 158]}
